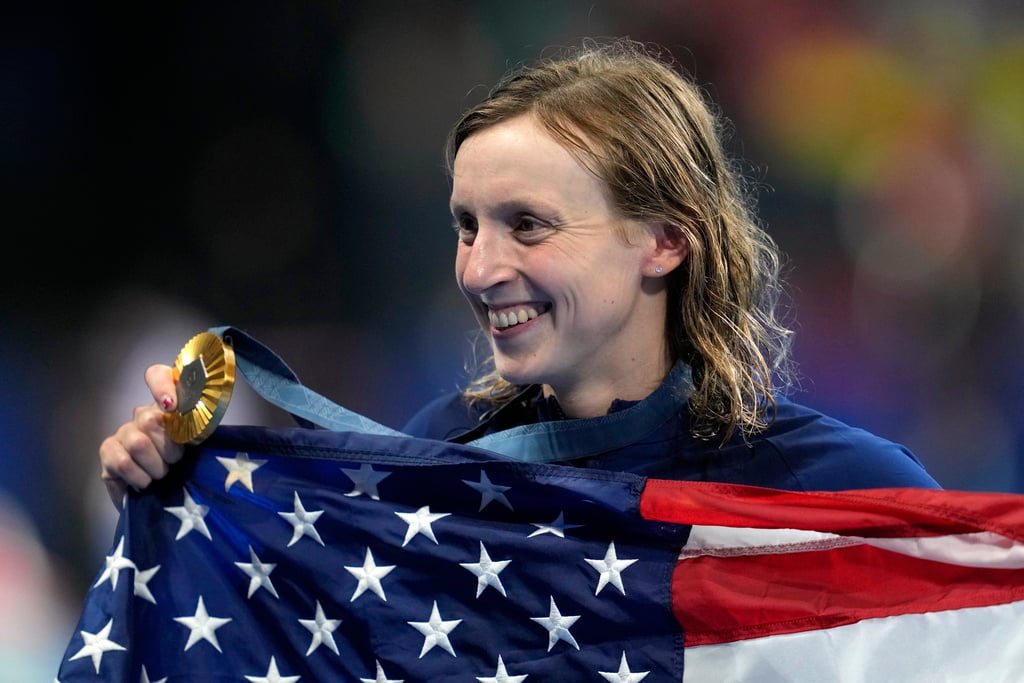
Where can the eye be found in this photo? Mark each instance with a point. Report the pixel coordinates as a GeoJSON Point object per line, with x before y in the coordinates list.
{"type": "Point", "coordinates": [529, 229]}
{"type": "Point", "coordinates": [465, 227]}
{"type": "Point", "coordinates": [525, 224]}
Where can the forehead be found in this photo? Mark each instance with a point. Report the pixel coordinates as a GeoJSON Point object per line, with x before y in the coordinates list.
{"type": "Point", "coordinates": [519, 156]}
{"type": "Point", "coordinates": [518, 161]}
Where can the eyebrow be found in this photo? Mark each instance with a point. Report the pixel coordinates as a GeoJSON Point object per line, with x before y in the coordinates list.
{"type": "Point", "coordinates": [510, 207]}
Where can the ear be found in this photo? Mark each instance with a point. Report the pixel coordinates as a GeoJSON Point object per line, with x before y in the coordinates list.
{"type": "Point", "coordinates": [667, 250]}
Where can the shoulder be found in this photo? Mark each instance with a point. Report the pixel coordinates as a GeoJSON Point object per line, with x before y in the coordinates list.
{"type": "Point", "coordinates": [824, 453]}
{"type": "Point", "coordinates": [442, 418]}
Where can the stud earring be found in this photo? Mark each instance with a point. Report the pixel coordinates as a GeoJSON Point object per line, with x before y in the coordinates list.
{"type": "Point", "coordinates": [658, 269]}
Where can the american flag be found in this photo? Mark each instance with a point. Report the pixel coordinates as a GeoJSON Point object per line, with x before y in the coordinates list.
{"type": "Point", "coordinates": [310, 555]}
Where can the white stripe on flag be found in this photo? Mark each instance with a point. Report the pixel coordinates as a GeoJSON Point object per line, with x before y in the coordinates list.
{"type": "Point", "coordinates": [980, 549]}
{"type": "Point", "coordinates": [976, 645]}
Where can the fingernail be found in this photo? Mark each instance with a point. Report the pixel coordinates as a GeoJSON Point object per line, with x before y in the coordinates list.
{"type": "Point", "coordinates": [167, 402]}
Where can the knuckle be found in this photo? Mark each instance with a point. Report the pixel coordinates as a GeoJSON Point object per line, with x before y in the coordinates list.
{"type": "Point", "coordinates": [120, 464]}
{"type": "Point", "coordinates": [143, 414]}
{"type": "Point", "coordinates": [135, 441]}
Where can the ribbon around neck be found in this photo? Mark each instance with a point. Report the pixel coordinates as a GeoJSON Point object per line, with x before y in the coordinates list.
{"type": "Point", "coordinates": [551, 441]}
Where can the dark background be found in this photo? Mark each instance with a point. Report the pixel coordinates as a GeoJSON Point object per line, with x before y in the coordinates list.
{"type": "Point", "coordinates": [277, 166]}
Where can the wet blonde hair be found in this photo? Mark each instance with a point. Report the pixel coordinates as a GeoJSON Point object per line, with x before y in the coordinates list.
{"type": "Point", "coordinates": [629, 116]}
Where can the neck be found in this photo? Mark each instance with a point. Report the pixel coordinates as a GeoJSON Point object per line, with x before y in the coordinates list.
{"type": "Point", "coordinates": [593, 398]}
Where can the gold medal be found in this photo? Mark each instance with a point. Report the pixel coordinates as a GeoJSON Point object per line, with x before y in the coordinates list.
{"type": "Point", "coordinates": [204, 375]}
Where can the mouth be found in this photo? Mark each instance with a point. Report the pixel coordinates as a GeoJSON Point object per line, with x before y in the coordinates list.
{"type": "Point", "coordinates": [515, 315]}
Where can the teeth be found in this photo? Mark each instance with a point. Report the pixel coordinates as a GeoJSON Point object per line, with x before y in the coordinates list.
{"type": "Point", "coordinates": [510, 318]}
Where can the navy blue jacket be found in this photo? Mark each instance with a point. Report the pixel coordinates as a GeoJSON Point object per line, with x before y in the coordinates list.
{"type": "Point", "coordinates": [802, 450]}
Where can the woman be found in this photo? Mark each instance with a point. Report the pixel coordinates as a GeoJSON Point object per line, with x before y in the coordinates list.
{"type": "Point", "coordinates": [626, 292]}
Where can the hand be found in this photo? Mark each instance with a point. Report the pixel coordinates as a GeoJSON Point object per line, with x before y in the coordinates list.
{"type": "Point", "coordinates": [141, 450]}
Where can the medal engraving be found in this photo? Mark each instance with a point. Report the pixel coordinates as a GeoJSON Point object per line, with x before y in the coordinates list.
{"type": "Point", "coordinates": [191, 384]}
{"type": "Point", "coordinates": [204, 375]}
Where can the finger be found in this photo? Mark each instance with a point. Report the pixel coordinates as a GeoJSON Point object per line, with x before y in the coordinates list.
{"type": "Point", "coordinates": [160, 380]}
{"type": "Point", "coordinates": [119, 468]}
{"type": "Point", "coordinates": [152, 422]}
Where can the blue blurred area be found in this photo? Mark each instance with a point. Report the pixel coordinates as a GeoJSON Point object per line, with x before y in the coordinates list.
{"type": "Point", "coordinates": [277, 166]}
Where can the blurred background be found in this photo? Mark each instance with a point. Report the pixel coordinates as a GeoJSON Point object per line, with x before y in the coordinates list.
{"type": "Point", "coordinates": [167, 167]}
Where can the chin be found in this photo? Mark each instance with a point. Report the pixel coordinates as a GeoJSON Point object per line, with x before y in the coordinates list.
{"type": "Point", "coordinates": [517, 374]}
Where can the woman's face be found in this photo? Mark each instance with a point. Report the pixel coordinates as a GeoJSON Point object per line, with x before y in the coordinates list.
{"type": "Point", "coordinates": [544, 265]}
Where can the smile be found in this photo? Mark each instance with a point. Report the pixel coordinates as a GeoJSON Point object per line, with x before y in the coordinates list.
{"type": "Point", "coordinates": [512, 317]}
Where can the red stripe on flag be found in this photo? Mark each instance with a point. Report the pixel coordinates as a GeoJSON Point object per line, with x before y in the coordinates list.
{"type": "Point", "coordinates": [879, 513]}
{"type": "Point", "coordinates": [722, 599]}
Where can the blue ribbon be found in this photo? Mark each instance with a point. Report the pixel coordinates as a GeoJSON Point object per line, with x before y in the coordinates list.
{"type": "Point", "coordinates": [550, 441]}
{"type": "Point", "coordinates": [272, 379]}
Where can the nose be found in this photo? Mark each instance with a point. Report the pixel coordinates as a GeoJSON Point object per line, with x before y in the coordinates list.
{"type": "Point", "coordinates": [488, 261]}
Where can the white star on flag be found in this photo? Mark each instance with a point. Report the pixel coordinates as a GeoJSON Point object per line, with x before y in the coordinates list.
{"type": "Point", "coordinates": [489, 492]}
{"type": "Point", "coordinates": [623, 675]}
{"type": "Point", "coordinates": [259, 574]}
{"type": "Point", "coordinates": [501, 675]}
{"type": "Point", "coordinates": [240, 469]}
{"type": "Point", "coordinates": [273, 675]}
{"type": "Point", "coordinates": [302, 522]}
{"type": "Point", "coordinates": [202, 626]}
{"type": "Point", "coordinates": [115, 562]}
{"type": "Point", "coordinates": [381, 678]}
{"type": "Point", "coordinates": [419, 523]}
{"type": "Point", "coordinates": [365, 480]}
{"type": "Point", "coordinates": [610, 569]}
{"type": "Point", "coordinates": [142, 579]}
{"type": "Point", "coordinates": [486, 571]}
{"type": "Point", "coordinates": [96, 644]}
{"type": "Point", "coordinates": [558, 626]}
{"type": "Point", "coordinates": [369, 576]}
{"type": "Point", "coordinates": [145, 677]}
{"type": "Point", "coordinates": [435, 632]}
{"type": "Point", "coordinates": [322, 629]}
{"type": "Point", "coordinates": [192, 517]}
{"type": "Point", "coordinates": [556, 527]}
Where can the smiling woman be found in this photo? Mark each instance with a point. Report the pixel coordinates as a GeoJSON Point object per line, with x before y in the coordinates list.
{"type": "Point", "coordinates": [627, 294]}
{"type": "Point", "coordinates": [608, 252]}
{"type": "Point", "coordinates": [541, 244]}
{"type": "Point", "coordinates": [648, 143]}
